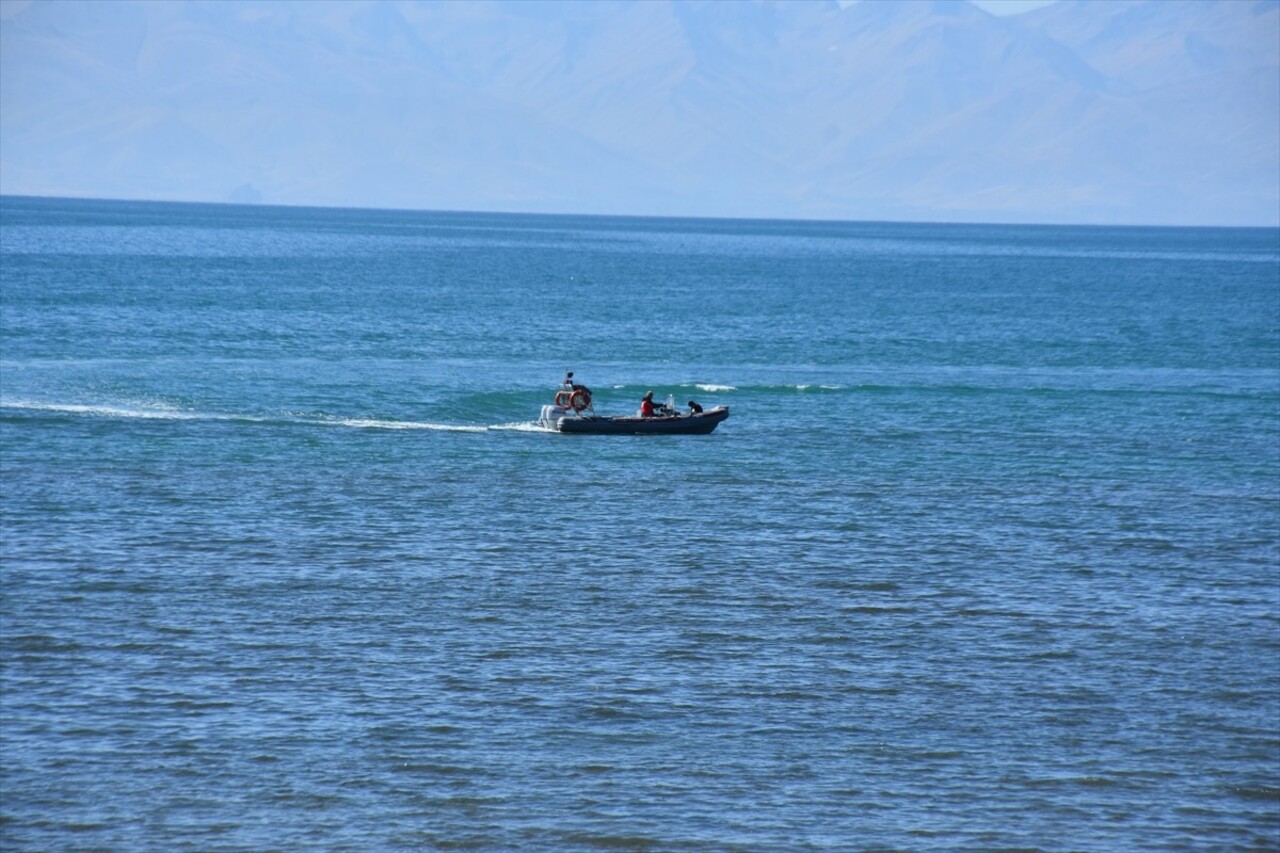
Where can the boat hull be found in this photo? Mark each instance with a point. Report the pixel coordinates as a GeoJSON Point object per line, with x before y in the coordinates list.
{"type": "Point", "coordinates": [683, 424]}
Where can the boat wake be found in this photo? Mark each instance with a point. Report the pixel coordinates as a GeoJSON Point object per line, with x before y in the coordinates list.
{"type": "Point", "coordinates": [379, 423]}
{"type": "Point", "coordinates": [144, 411]}
{"type": "Point", "coordinates": [165, 412]}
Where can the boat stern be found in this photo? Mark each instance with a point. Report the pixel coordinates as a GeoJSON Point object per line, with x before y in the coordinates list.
{"type": "Point", "coordinates": [551, 417]}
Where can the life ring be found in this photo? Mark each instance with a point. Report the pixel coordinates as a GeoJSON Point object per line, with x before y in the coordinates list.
{"type": "Point", "coordinates": [562, 399]}
{"type": "Point", "coordinates": [579, 400]}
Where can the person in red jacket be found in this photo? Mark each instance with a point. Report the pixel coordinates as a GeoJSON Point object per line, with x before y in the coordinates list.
{"type": "Point", "coordinates": [646, 406]}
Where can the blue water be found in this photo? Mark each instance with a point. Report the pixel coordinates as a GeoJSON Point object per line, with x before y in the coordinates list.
{"type": "Point", "coordinates": [987, 556]}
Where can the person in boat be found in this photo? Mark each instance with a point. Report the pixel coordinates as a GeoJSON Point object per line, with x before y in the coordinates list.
{"type": "Point", "coordinates": [573, 394]}
{"type": "Point", "coordinates": [650, 409]}
{"type": "Point", "coordinates": [694, 408]}
{"type": "Point", "coordinates": [570, 385]}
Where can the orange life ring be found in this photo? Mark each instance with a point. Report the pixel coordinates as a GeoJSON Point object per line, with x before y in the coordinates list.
{"type": "Point", "coordinates": [562, 399]}
{"type": "Point", "coordinates": [579, 400]}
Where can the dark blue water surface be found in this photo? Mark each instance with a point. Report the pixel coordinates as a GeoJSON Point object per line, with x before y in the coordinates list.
{"type": "Point", "coordinates": [986, 557]}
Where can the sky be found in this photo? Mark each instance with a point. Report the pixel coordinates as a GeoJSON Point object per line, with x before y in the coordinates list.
{"type": "Point", "coordinates": [1010, 7]}
{"type": "Point", "coordinates": [1107, 112]}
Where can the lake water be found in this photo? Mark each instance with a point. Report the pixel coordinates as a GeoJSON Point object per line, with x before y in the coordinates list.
{"type": "Point", "coordinates": [986, 557]}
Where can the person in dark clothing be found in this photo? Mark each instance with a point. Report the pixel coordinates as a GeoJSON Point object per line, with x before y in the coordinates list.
{"type": "Point", "coordinates": [694, 408]}
{"type": "Point", "coordinates": [570, 384]}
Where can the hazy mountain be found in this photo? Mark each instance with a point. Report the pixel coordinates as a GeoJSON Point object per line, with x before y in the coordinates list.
{"type": "Point", "coordinates": [1094, 111]}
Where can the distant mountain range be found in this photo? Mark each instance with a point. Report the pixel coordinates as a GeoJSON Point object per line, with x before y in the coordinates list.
{"type": "Point", "coordinates": [1096, 111]}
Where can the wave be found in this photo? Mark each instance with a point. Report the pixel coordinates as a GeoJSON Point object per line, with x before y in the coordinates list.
{"type": "Point", "coordinates": [712, 388]}
{"type": "Point", "coordinates": [724, 388]}
{"type": "Point", "coordinates": [610, 393]}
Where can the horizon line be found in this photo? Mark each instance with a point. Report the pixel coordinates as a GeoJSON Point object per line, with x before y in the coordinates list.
{"type": "Point", "coordinates": [654, 216]}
